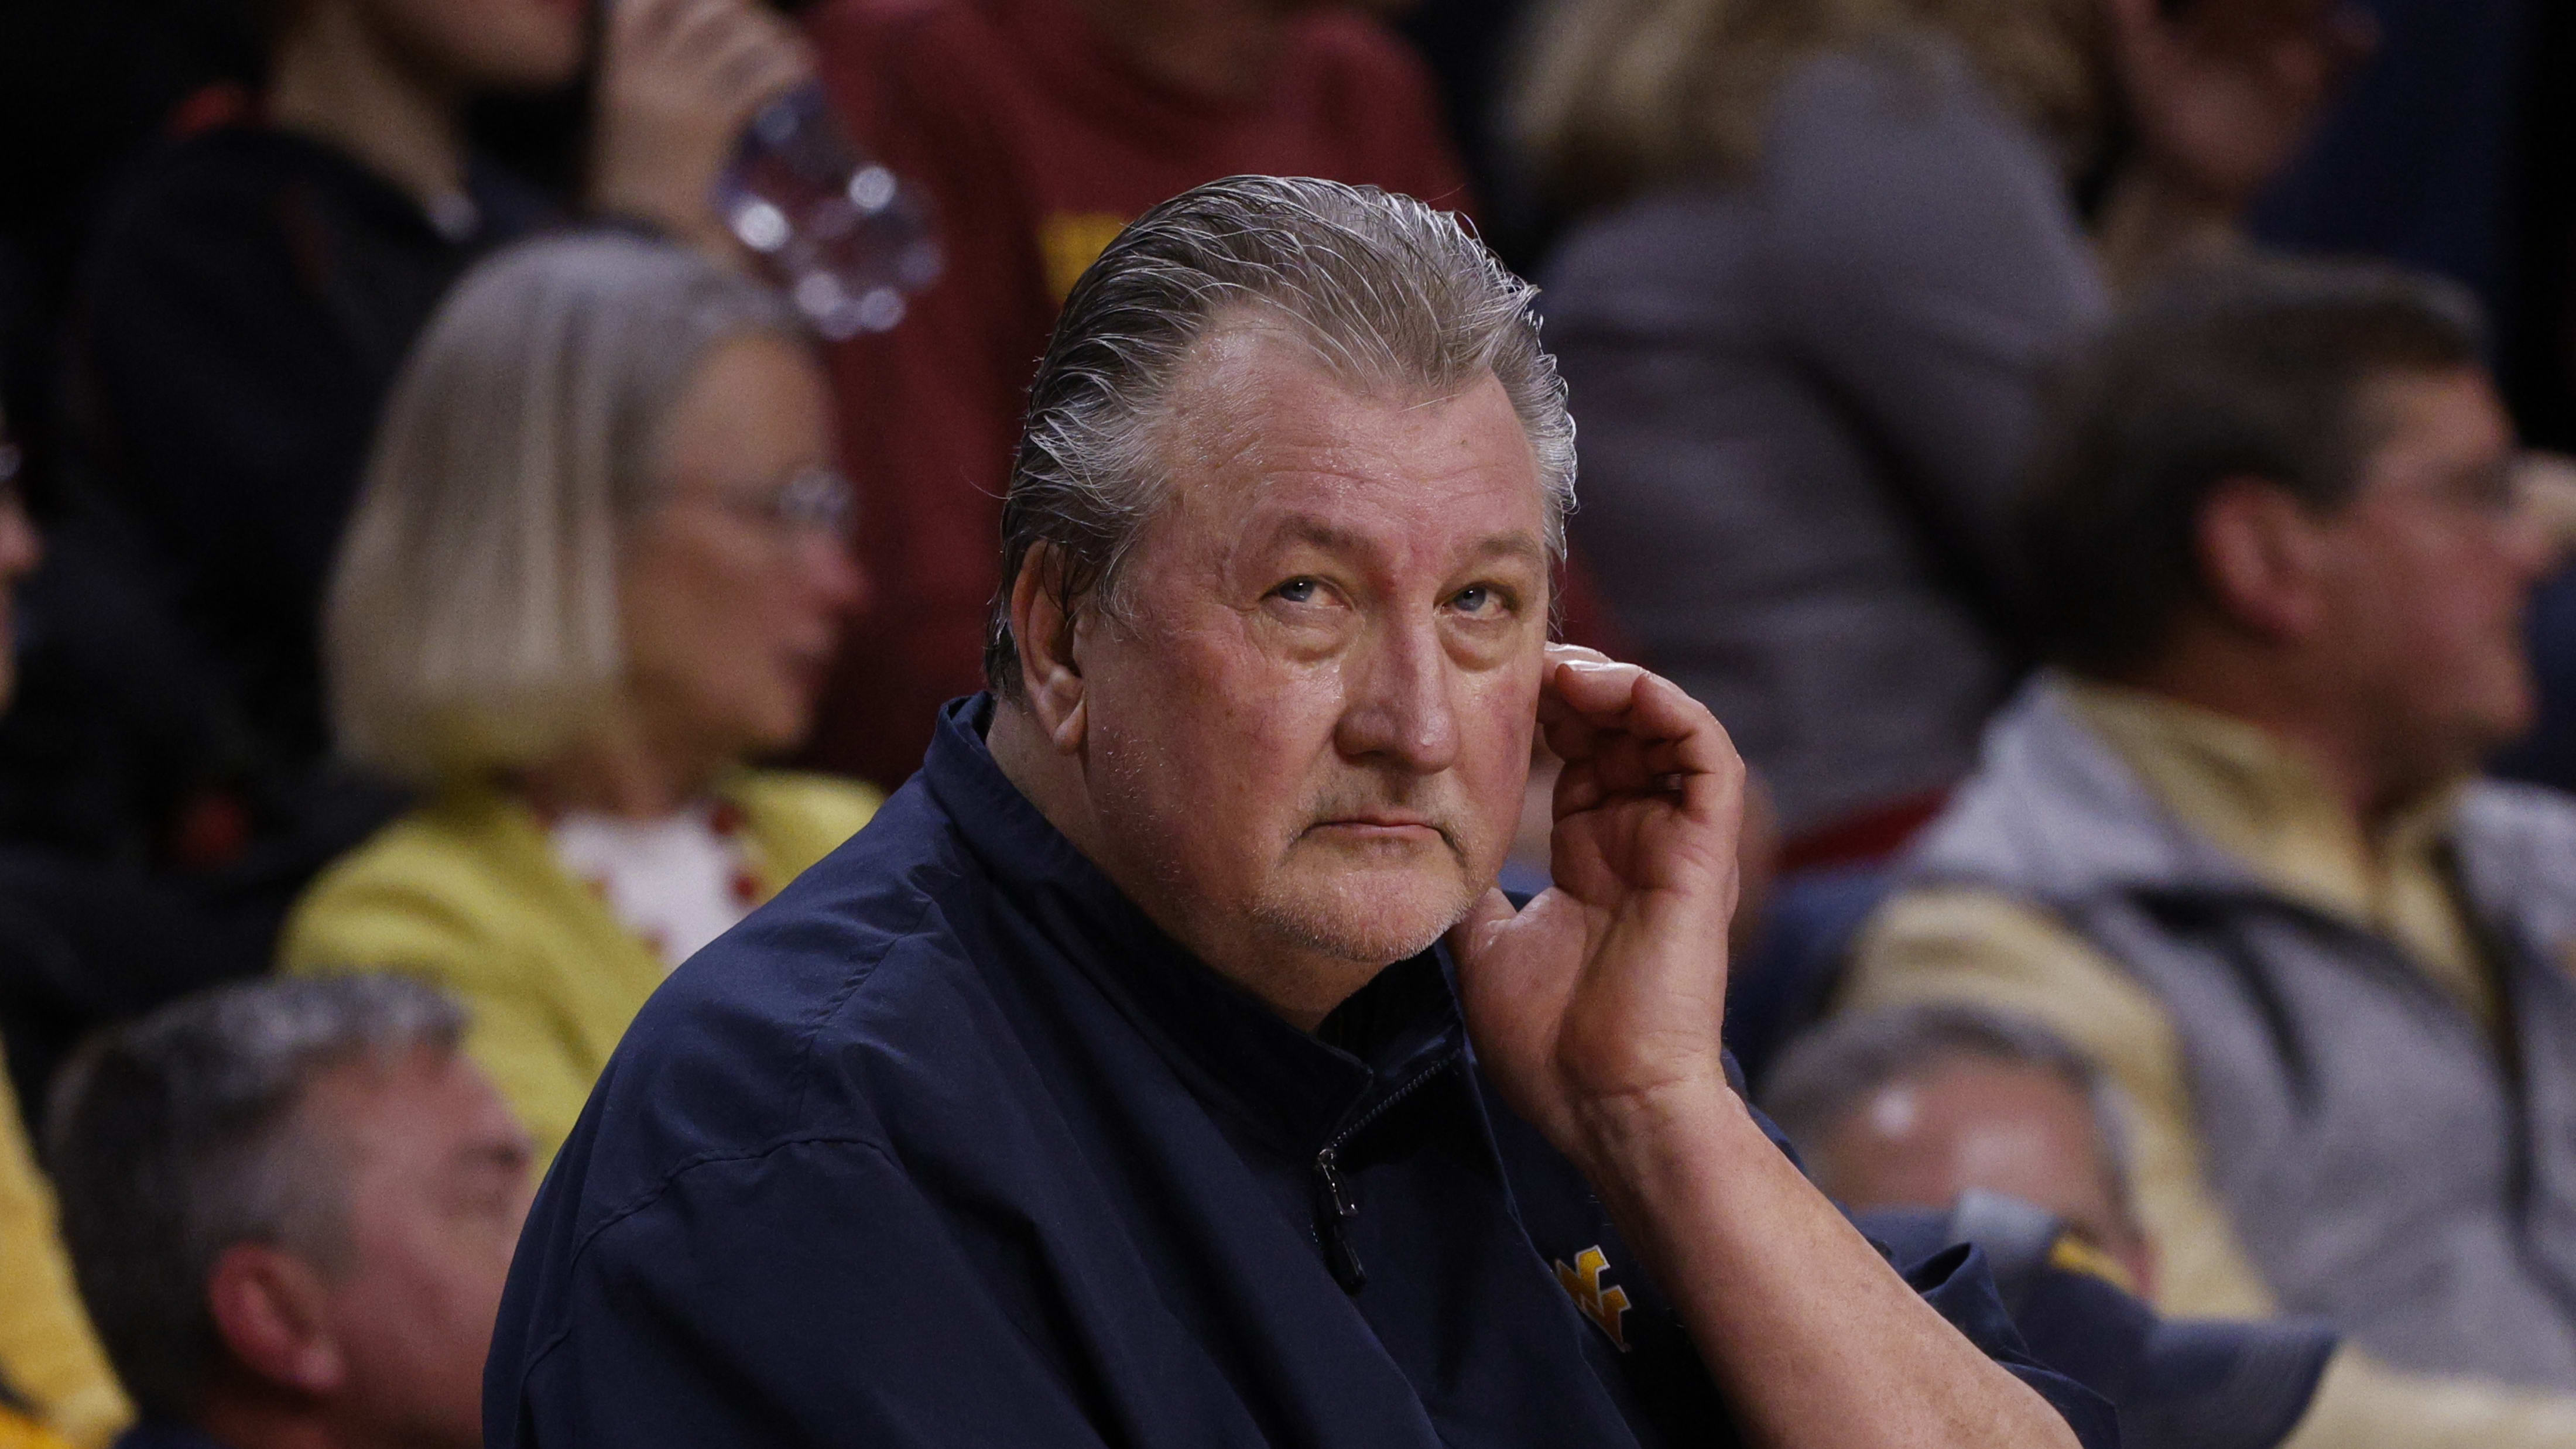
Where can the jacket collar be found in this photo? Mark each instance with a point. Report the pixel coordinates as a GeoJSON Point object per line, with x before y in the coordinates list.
{"type": "Point", "coordinates": [1232, 1050]}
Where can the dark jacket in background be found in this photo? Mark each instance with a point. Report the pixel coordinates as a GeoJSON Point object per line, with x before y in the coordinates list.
{"type": "Point", "coordinates": [949, 1145]}
{"type": "Point", "coordinates": [164, 787]}
{"type": "Point", "coordinates": [1804, 401]}
{"type": "Point", "coordinates": [249, 301]}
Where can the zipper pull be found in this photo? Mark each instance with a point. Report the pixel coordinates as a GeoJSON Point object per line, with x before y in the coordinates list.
{"type": "Point", "coordinates": [1333, 1214]}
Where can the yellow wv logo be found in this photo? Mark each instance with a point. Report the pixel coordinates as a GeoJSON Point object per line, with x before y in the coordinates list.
{"type": "Point", "coordinates": [1582, 1283]}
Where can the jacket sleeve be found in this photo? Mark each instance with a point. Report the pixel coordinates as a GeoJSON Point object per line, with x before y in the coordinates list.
{"type": "Point", "coordinates": [227, 400]}
{"type": "Point", "coordinates": [48, 1354]}
{"type": "Point", "coordinates": [837, 1307]}
{"type": "Point", "coordinates": [1922, 260]}
{"type": "Point", "coordinates": [376, 921]}
{"type": "Point", "coordinates": [2364, 1404]}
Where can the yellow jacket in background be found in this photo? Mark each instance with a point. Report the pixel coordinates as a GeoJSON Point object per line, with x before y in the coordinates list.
{"type": "Point", "coordinates": [466, 893]}
{"type": "Point", "coordinates": [48, 1355]}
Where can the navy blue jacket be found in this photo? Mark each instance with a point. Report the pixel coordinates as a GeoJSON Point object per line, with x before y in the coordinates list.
{"type": "Point", "coordinates": [950, 1145]}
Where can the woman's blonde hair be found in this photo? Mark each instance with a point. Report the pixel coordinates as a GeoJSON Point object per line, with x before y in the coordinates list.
{"type": "Point", "coordinates": [472, 623]}
{"type": "Point", "coordinates": [1616, 96]}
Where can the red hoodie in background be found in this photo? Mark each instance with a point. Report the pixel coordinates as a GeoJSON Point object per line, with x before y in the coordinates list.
{"type": "Point", "coordinates": [1035, 145]}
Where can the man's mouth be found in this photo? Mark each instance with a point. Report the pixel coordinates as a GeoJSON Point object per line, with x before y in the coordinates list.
{"type": "Point", "coordinates": [1391, 826]}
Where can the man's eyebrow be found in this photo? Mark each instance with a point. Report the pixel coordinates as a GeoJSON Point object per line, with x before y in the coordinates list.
{"type": "Point", "coordinates": [1523, 546]}
{"type": "Point", "coordinates": [1322, 533]}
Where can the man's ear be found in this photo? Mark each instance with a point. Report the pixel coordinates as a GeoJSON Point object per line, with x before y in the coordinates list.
{"type": "Point", "coordinates": [1050, 668]}
{"type": "Point", "coordinates": [2262, 557]}
{"type": "Point", "coordinates": [272, 1311]}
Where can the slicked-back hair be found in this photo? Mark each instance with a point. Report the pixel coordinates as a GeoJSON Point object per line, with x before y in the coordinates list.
{"type": "Point", "coordinates": [1386, 292]}
{"type": "Point", "coordinates": [2256, 369]}
{"type": "Point", "coordinates": [1836, 1068]}
{"type": "Point", "coordinates": [472, 623]}
{"type": "Point", "coordinates": [174, 1137]}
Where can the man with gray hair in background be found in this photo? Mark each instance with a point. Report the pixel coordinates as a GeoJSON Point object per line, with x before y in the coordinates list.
{"type": "Point", "coordinates": [1161, 1067]}
{"type": "Point", "coordinates": [290, 1206]}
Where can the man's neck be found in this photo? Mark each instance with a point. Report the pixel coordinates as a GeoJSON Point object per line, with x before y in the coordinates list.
{"type": "Point", "coordinates": [338, 79]}
{"type": "Point", "coordinates": [1302, 991]}
{"type": "Point", "coordinates": [2279, 698]}
{"type": "Point", "coordinates": [263, 1418]}
{"type": "Point", "coordinates": [1221, 50]}
{"type": "Point", "coordinates": [624, 770]}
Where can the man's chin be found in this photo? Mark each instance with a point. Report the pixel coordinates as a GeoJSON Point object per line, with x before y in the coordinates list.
{"type": "Point", "coordinates": [1377, 917]}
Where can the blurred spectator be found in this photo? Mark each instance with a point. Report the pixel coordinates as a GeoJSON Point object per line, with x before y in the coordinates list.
{"type": "Point", "coordinates": [249, 297]}
{"type": "Point", "coordinates": [1832, 246]}
{"type": "Point", "coordinates": [2234, 855]}
{"type": "Point", "coordinates": [598, 564]}
{"type": "Point", "coordinates": [256, 287]}
{"type": "Point", "coordinates": [1910, 1108]}
{"type": "Point", "coordinates": [1040, 128]}
{"type": "Point", "coordinates": [2020, 1143]}
{"type": "Point", "coordinates": [1467, 45]}
{"type": "Point", "coordinates": [292, 1206]}
{"type": "Point", "coordinates": [50, 1365]}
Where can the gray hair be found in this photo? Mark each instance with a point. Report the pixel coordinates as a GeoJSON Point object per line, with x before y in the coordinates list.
{"type": "Point", "coordinates": [473, 616]}
{"type": "Point", "coordinates": [1385, 291]}
{"type": "Point", "coordinates": [177, 1136]}
{"type": "Point", "coordinates": [1839, 1066]}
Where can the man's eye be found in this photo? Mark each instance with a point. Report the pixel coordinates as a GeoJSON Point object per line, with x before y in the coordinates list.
{"type": "Point", "coordinates": [1475, 599]}
{"type": "Point", "coordinates": [1296, 591]}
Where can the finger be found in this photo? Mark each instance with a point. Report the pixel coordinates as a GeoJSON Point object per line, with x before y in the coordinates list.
{"type": "Point", "coordinates": [699, 28]}
{"type": "Point", "coordinates": [769, 73]}
{"type": "Point", "coordinates": [1627, 700]}
{"type": "Point", "coordinates": [1598, 690]}
{"type": "Point", "coordinates": [637, 25]}
{"type": "Point", "coordinates": [745, 67]}
{"type": "Point", "coordinates": [1559, 652]}
{"type": "Point", "coordinates": [1655, 744]}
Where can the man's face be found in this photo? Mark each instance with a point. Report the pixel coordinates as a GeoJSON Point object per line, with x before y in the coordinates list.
{"type": "Point", "coordinates": [2426, 573]}
{"type": "Point", "coordinates": [1309, 721]}
{"type": "Point", "coordinates": [438, 1184]}
{"type": "Point", "coordinates": [2003, 1128]}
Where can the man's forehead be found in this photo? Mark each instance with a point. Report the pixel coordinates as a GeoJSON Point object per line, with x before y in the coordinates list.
{"type": "Point", "coordinates": [1259, 430]}
{"type": "Point", "coordinates": [2454, 407]}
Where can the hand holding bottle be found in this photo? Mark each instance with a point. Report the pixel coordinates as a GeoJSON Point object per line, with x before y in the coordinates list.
{"type": "Point", "coordinates": [679, 81]}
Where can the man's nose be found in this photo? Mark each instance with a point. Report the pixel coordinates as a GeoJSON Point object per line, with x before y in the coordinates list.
{"type": "Point", "coordinates": [2538, 534]}
{"type": "Point", "coordinates": [1399, 707]}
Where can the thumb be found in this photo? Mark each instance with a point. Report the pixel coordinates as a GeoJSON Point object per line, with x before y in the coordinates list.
{"type": "Point", "coordinates": [1469, 938]}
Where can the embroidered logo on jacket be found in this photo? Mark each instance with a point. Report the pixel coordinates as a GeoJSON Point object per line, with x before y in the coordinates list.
{"type": "Point", "coordinates": [1603, 1305]}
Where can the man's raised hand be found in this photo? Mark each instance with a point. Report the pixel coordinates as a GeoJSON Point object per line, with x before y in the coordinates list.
{"type": "Point", "coordinates": [1604, 995]}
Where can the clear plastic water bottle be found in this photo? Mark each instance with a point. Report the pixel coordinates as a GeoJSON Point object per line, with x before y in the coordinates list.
{"type": "Point", "coordinates": [846, 239]}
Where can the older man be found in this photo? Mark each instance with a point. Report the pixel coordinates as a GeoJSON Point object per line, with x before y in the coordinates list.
{"type": "Point", "coordinates": [2232, 852]}
{"type": "Point", "coordinates": [291, 1207]}
{"type": "Point", "coordinates": [1112, 1087]}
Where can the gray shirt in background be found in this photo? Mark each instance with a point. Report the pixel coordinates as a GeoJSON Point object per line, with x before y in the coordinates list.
{"type": "Point", "coordinates": [1803, 402]}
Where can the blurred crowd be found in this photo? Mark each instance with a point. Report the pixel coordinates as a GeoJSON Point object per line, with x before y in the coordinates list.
{"type": "Point", "coordinates": [2094, 456]}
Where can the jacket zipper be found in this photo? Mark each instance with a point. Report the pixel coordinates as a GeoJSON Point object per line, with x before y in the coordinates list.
{"type": "Point", "coordinates": [1334, 1207]}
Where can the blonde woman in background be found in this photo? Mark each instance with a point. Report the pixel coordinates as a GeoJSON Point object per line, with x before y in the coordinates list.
{"type": "Point", "coordinates": [598, 565]}
{"type": "Point", "coordinates": [1824, 249]}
